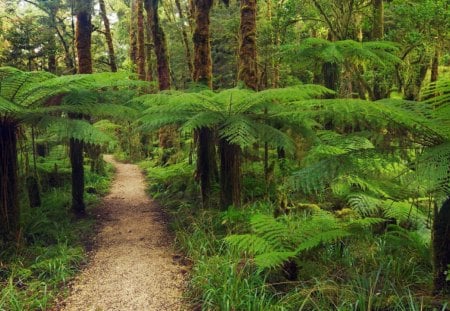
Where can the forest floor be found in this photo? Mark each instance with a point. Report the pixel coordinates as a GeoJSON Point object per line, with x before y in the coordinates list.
{"type": "Point", "coordinates": [131, 266]}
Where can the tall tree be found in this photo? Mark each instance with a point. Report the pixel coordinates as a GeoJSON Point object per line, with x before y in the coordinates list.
{"type": "Point", "coordinates": [248, 69]}
{"type": "Point", "coordinates": [140, 56]}
{"type": "Point", "coordinates": [206, 152]}
{"type": "Point", "coordinates": [84, 57]}
{"type": "Point", "coordinates": [108, 36]}
{"type": "Point", "coordinates": [159, 42]}
{"type": "Point", "coordinates": [185, 39]}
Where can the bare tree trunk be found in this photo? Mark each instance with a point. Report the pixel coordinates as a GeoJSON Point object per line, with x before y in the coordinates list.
{"type": "Point", "coordinates": [248, 69]}
{"type": "Point", "coordinates": [441, 247]}
{"type": "Point", "coordinates": [185, 39]}
{"type": "Point", "coordinates": [230, 174]}
{"type": "Point", "coordinates": [83, 46]}
{"type": "Point", "coordinates": [9, 203]}
{"type": "Point", "coordinates": [108, 36]}
{"type": "Point", "coordinates": [140, 56]}
{"type": "Point", "coordinates": [159, 42]}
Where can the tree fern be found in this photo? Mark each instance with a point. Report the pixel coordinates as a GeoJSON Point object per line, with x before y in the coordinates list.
{"type": "Point", "coordinates": [274, 241]}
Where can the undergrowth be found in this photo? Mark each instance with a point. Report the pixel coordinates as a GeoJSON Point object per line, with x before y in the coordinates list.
{"type": "Point", "coordinates": [371, 265]}
{"type": "Point", "coordinates": [35, 270]}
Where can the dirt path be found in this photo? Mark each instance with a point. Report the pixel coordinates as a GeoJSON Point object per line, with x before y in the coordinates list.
{"type": "Point", "coordinates": [131, 267]}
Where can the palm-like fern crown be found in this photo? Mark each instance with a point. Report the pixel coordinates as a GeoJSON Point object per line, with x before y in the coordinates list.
{"type": "Point", "coordinates": [23, 98]}
{"type": "Point", "coordinates": [379, 53]}
{"type": "Point", "coordinates": [240, 115]}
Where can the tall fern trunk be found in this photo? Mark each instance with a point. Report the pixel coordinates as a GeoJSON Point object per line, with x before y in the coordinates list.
{"type": "Point", "coordinates": [83, 45]}
{"type": "Point", "coordinates": [435, 66]}
{"type": "Point", "coordinates": [230, 174]}
{"type": "Point", "coordinates": [248, 69]}
{"type": "Point", "coordinates": [140, 56]}
{"type": "Point", "coordinates": [76, 161]}
{"type": "Point", "coordinates": [206, 163]}
{"type": "Point", "coordinates": [159, 42]}
{"type": "Point", "coordinates": [9, 203]}
{"type": "Point", "coordinates": [108, 36]}
{"type": "Point", "coordinates": [441, 247]}
{"type": "Point", "coordinates": [206, 151]}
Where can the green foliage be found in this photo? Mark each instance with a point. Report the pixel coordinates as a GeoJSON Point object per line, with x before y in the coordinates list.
{"type": "Point", "coordinates": [272, 242]}
{"type": "Point", "coordinates": [242, 117]}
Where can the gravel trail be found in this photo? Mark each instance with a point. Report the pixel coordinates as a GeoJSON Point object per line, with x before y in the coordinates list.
{"type": "Point", "coordinates": [132, 266]}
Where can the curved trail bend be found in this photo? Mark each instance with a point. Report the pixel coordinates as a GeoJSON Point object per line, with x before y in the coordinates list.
{"type": "Point", "coordinates": [131, 267]}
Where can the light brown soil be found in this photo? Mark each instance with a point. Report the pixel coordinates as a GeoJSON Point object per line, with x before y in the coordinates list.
{"type": "Point", "coordinates": [131, 267]}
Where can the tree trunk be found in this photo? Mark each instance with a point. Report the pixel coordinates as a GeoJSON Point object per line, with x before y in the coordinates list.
{"type": "Point", "coordinates": [83, 45]}
{"type": "Point", "coordinates": [76, 161]}
{"type": "Point", "coordinates": [148, 52]}
{"type": "Point", "coordinates": [206, 163]}
{"type": "Point", "coordinates": [248, 69]}
{"type": "Point", "coordinates": [185, 39]}
{"type": "Point", "coordinates": [133, 32]}
{"type": "Point", "coordinates": [331, 75]}
{"type": "Point", "coordinates": [159, 42]}
{"type": "Point", "coordinates": [108, 36]}
{"type": "Point", "coordinates": [378, 20]}
{"type": "Point", "coordinates": [140, 56]}
{"type": "Point", "coordinates": [206, 151]}
{"type": "Point", "coordinates": [441, 247]}
{"type": "Point", "coordinates": [230, 174]}
{"type": "Point", "coordinates": [435, 66]}
{"type": "Point", "coordinates": [9, 203]}
{"type": "Point", "coordinates": [202, 46]}
{"type": "Point", "coordinates": [379, 91]}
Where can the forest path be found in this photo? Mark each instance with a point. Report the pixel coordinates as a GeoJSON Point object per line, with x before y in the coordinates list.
{"type": "Point", "coordinates": [131, 267]}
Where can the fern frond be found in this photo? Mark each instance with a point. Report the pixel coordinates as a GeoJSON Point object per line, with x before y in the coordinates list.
{"type": "Point", "coordinates": [250, 243]}
{"type": "Point", "coordinates": [272, 260]}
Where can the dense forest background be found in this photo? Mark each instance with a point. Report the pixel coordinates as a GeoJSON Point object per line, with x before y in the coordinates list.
{"type": "Point", "coordinates": [301, 147]}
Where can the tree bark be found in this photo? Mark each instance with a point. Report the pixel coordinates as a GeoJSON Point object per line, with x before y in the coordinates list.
{"type": "Point", "coordinates": [83, 45]}
{"type": "Point", "coordinates": [378, 20]}
{"type": "Point", "coordinates": [133, 32]}
{"type": "Point", "coordinates": [108, 36]}
{"type": "Point", "coordinates": [185, 39]}
{"type": "Point", "coordinates": [441, 247]}
{"type": "Point", "coordinates": [435, 66]}
{"type": "Point", "coordinates": [202, 45]}
{"type": "Point", "coordinates": [159, 42]}
{"type": "Point", "coordinates": [9, 203]}
{"type": "Point", "coordinates": [140, 56]}
{"type": "Point", "coordinates": [230, 174]}
{"type": "Point", "coordinates": [248, 69]}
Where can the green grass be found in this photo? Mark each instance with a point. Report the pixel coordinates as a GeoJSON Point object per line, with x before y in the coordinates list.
{"type": "Point", "coordinates": [35, 271]}
{"type": "Point", "coordinates": [374, 271]}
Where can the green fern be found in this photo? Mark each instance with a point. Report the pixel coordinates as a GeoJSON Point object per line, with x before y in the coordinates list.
{"type": "Point", "coordinates": [274, 241]}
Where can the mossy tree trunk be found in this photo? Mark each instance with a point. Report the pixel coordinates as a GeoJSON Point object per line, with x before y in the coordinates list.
{"type": "Point", "coordinates": [230, 174]}
{"type": "Point", "coordinates": [202, 46]}
{"type": "Point", "coordinates": [248, 69]}
{"type": "Point", "coordinates": [108, 36]}
{"type": "Point", "coordinates": [379, 90]}
{"type": "Point", "coordinates": [83, 46]}
{"type": "Point", "coordinates": [133, 32]}
{"type": "Point", "coordinates": [140, 56]}
{"type": "Point", "coordinates": [9, 203]}
{"type": "Point", "coordinates": [159, 43]}
{"type": "Point", "coordinates": [185, 39]}
{"type": "Point", "coordinates": [206, 151]}
{"type": "Point", "coordinates": [441, 247]}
